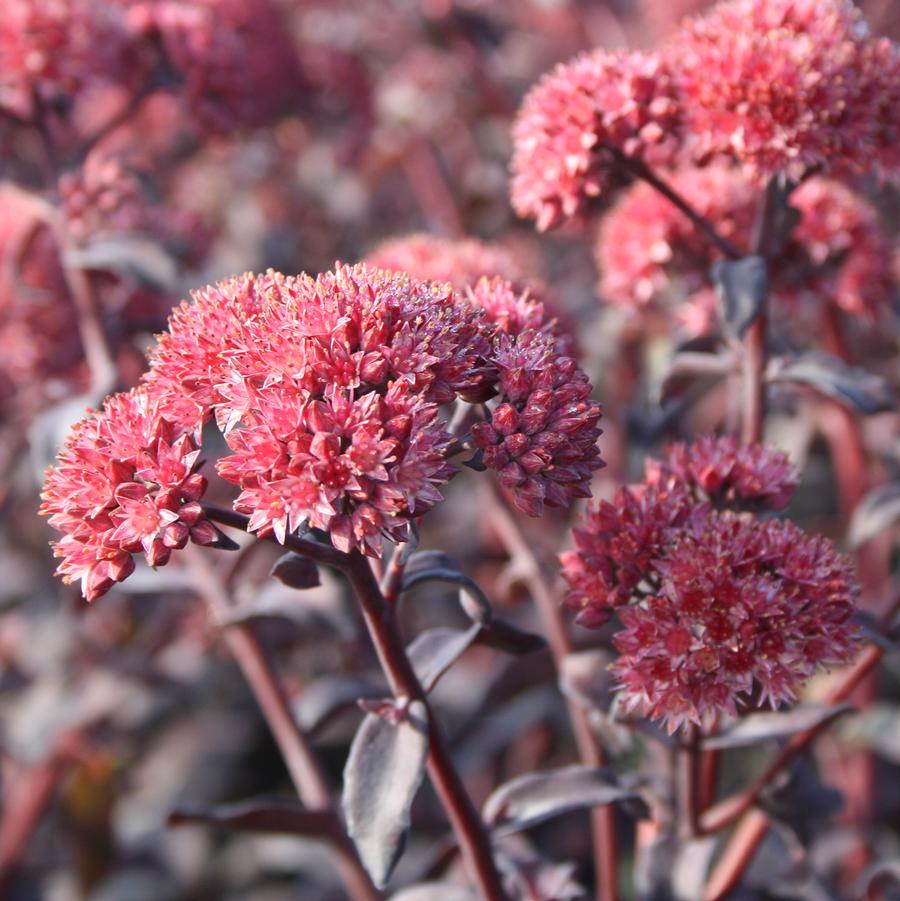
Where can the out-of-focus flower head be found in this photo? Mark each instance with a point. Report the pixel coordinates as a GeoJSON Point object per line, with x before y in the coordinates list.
{"type": "Point", "coordinates": [431, 258]}
{"type": "Point", "coordinates": [233, 60]}
{"type": "Point", "coordinates": [106, 196]}
{"type": "Point", "coordinates": [53, 50]}
{"type": "Point", "coordinates": [650, 255]}
{"type": "Point", "coordinates": [542, 435]}
{"type": "Point", "coordinates": [576, 117]}
{"type": "Point", "coordinates": [124, 483]}
{"type": "Point", "coordinates": [648, 251]}
{"type": "Point", "coordinates": [786, 85]}
{"type": "Point", "coordinates": [488, 273]}
{"type": "Point", "coordinates": [718, 608]}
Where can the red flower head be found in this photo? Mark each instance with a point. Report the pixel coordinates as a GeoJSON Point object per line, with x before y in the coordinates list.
{"type": "Point", "coordinates": [328, 392]}
{"type": "Point", "coordinates": [718, 608]}
{"type": "Point", "coordinates": [728, 473]}
{"type": "Point", "coordinates": [124, 483]}
{"type": "Point", "coordinates": [785, 85]}
{"type": "Point", "coordinates": [576, 117]}
{"type": "Point", "coordinates": [542, 436]}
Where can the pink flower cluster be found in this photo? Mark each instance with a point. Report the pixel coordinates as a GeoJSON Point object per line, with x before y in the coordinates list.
{"type": "Point", "coordinates": [778, 86]}
{"type": "Point", "coordinates": [576, 117]}
{"type": "Point", "coordinates": [785, 85]}
{"type": "Point", "coordinates": [542, 435]}
{"type": "Point", "coordinates": [718, 607]}
{"type": "Point", "coordinates": [125, 482]}
{"type": "Point", "coordinates": [650, 255]}
{"type": "Point", "coordinates": [328, 393]}
{"type": "Point", "coordinates": [53, 50]}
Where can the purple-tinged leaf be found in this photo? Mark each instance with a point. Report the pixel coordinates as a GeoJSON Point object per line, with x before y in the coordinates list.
{"type": "Point", "coordinates": [851, 386]}
{"type": "Point", "coordinates": [741, 287]}
{"type": "Point", "coordinates": [436, 566]}
{"type": "Point", "coordinates": [139, 258]}
{"type": "Point", "coordinates": [529, 875]}
{"type": "Point", "coordinates": [434, 651]}
{"type": "Point", "coordinates": [584, 677]}
{"type": "Point", "coordinates": [880, 875]}
{"type": "Point", "coordinates": [505, 637]}
{"type": "Point", "coordinates": [434, 891]}
{"type": "Point", "coordinates": [760, 727]}
{"type": "Point", "coordinates": [688, 367]}
{"type": "Point", "coordinates": [536, 797]}
{"type": "Point", "coordinates": [328, 697]}
{"type": "Point", "coordinates": [383, 773]}
{"type": "Point", "coordinates": [263, 815]}
{"type": "Point", "coordinates": [296, 571]}
{"type": "Point", "coordinates": [876, 512]}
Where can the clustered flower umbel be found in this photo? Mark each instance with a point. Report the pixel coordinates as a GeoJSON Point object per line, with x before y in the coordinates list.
{"type": "Point", "coordinates": [576, 117]}
{"type": "Point", "coordinates": [650, 255]}
{"type": "Point", "coordinates": [125, 482]}
{"type": "Point", "coordinates": [777, 86]}
{"type": "Point", "coordinates": [719, 608]}
{"type": "Point", "coordinates": [328, 391]}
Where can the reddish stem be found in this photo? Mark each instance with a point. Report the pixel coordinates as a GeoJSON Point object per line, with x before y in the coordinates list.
{"type": "Point", "coordinates": [473, 837]}
{"type": "Point", "coordinates": [29, 799]}
{"type": "Point", "coordinates": [470, 831]}
{"type": "Point", "coordinates": [301, 762]}
{"type": "Point", "coordinates": [688, 787]}
{"type": "Point", "coordinates": [590, 750]}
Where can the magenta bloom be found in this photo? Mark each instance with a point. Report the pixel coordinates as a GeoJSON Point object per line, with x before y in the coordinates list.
{"type": "Point", "coordinates": [784, 85]}
{"type": "Point", "coordinates": [573, 119]}
{"type": "Point", "coordinates": [124, 483]}
{"type": "Point", "coordinates": [738, 612]}
{"type": "Point", "coordinates": [728, 473]}
{"type": "Point", "coordinates": [328, 392]}
{"type": "Point", "coordinates": [718, 608]}
{"type": "Point", "coordinates": [542, 436]}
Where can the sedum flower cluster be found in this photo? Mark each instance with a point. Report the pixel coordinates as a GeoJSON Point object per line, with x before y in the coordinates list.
{"type": "Point", "coordinates": [329, 393]}
{"type": "Point", "coordinates": [779, 87]}
{"type": "Point", "coordinates": [720, 609]}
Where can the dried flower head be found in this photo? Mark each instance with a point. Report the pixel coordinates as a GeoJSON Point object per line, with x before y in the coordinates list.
{"type": "Point", "coordinates": [574, 120]}
{"type": "Point", "coordinates": [786, 85]}
{"type": "Point", "coordinates": [542, 435]}
{"type": "Point", "coordinates": [718, 607]}
{"type": "Point", "coordinates": [124, 483]}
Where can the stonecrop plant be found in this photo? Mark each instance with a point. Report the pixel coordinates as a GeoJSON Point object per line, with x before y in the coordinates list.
{"type": "Point", "coordinates": [657, 620]}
